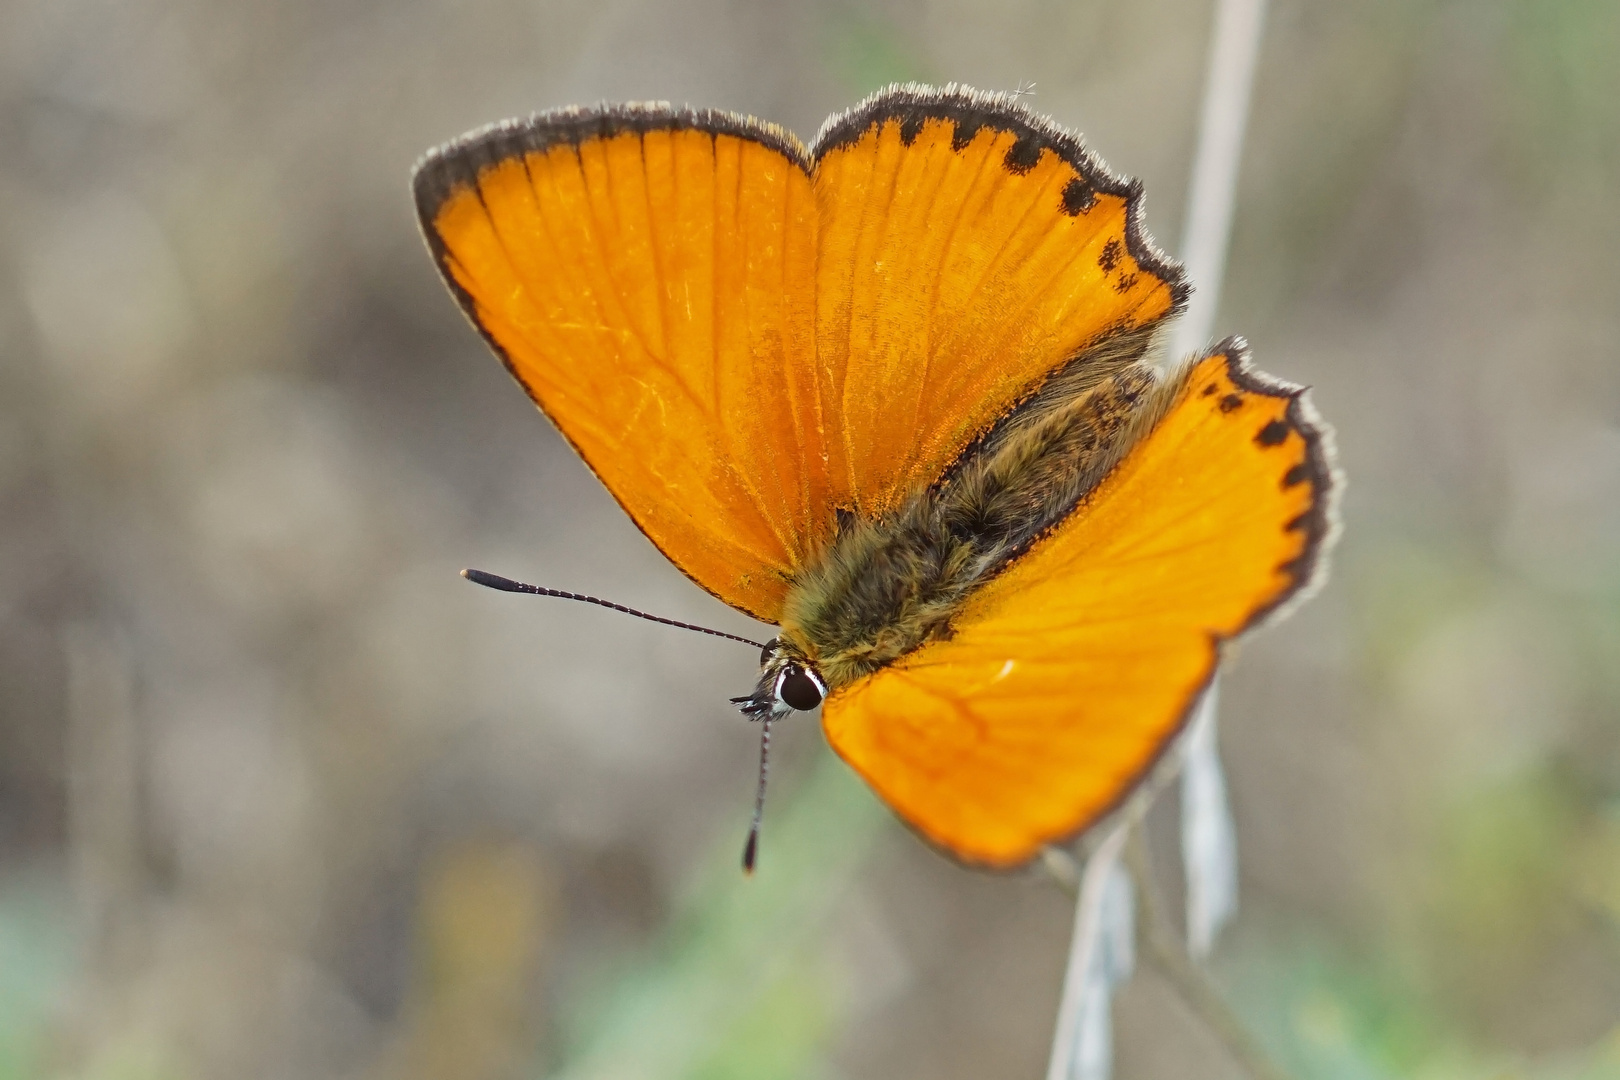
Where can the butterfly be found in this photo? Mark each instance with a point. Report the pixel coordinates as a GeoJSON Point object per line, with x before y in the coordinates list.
{"type": "Point", "coordinates": [896, 394]}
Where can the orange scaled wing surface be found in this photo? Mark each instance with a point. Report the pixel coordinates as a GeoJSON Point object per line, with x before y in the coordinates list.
{"type": "Point", "coordinates": [966, 249]}
{"type": "Point", "coordinates": [1071, 673]}
{"type": "Point", "coordinates": [648, 276]}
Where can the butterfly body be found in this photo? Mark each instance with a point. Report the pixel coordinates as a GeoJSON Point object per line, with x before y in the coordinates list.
{"type": "Point", "coordinates": [886, 585]}
{"type": "Point", "coordinates": [891, 393]}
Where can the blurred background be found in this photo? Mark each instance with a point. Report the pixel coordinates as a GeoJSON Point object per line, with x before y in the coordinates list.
{"type": "Point", "coordinates": [281, 796]}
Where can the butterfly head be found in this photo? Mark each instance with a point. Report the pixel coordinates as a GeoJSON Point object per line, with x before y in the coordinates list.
{"type": "Point", "coordinates": [788, 682]}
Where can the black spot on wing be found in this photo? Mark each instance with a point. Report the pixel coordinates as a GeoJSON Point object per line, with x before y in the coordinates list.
{"type": "Point", "coordinates": [971, 113]}
{"type": "Point", "coordinates": [1078, 197]}
{"type": "Point", "coordinates": [1315, 523]}
{"type": "Point", "coordinates": [1125, 283]}
{"type": "Point", "coordinates": [1112, 252]}
{"type": "Point", "coordinates": [1231, 402]}
{"type": "Point", "coordinates": [1272, 434]}
{"type": "Point", "coordinates": [1296, 567]}
{"type": "Point", "coordinates": [1210, 390]}
{"type": "Point", "coordinates": [966, 129]}
{"type": "Point", "coordinates": [1024, 154]}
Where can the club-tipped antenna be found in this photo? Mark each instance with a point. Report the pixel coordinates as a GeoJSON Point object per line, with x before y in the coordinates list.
{"type": "Point", "coordinates": [495, 581]}
{"type": "Point", "coordinates": [751, 849]}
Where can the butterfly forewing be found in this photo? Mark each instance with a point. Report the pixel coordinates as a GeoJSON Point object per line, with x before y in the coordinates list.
{"type": "Point", "coordinates": [647, 275]}
{"type": "Point", "coordinates": [967, 249]}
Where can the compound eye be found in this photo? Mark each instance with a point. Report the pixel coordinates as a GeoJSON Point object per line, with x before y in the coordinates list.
{"type": "Point", "coordinates": [798, 690]}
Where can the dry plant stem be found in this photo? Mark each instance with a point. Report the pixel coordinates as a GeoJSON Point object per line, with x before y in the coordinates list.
{"type": "Point", "coordinates": [1212, 194]}
{"type": "Point", "coordinates": [1161, 949]}
{"type": "Point", "coordinates": [1234, 52]}
{"type": "Point", "coordinates": [1089, 883]}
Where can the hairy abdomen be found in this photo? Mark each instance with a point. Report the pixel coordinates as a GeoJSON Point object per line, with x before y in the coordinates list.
{"type": "Point", "coordinates": [884, 587]}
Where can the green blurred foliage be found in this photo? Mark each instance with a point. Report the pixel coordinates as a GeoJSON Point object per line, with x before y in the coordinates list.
{"type": "Point", "coordinates": [36, 958]}
{"type": "Point", "coordinates": [865, 52]}
{"type": "Point", "coordinates": [742, 985]}
{"type": "Point", "coordinates": [1561, 56]}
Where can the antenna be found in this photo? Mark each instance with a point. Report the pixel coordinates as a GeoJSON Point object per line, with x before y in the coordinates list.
{"type": "Point", "coordinates": [495, 581]}
{"type": "Point", "coordinates": [751, 849]}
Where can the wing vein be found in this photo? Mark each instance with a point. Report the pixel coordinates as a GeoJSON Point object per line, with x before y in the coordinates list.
{"type": "Point", "coordinates": [661, 282]}
{"type": "Point", "coordinates": [506, 253]}
{"type": "Point", "coordinates": [866, 216]}
{"type": "Point", "coordinates": [601, 229]}
{"type": "Point", "coordinates": [932, 307]}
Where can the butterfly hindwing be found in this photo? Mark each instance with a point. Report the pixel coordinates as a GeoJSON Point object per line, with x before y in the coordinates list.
{"type": "Point", "coordinates": [647, 275]}
{"type": "Point", "coordinates": [1069, 675]}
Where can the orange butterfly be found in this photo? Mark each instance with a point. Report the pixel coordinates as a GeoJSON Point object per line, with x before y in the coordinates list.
{"type": "Point", "coordinates": [893, 394]}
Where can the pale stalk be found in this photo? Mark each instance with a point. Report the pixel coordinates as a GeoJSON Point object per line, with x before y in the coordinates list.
{"type": "Point", "coordinates": [1209, 850]}
{"type": "Point", "coordinates": [1082, 947]}
{"type": "Point", "coordinates": [1234, 50]}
